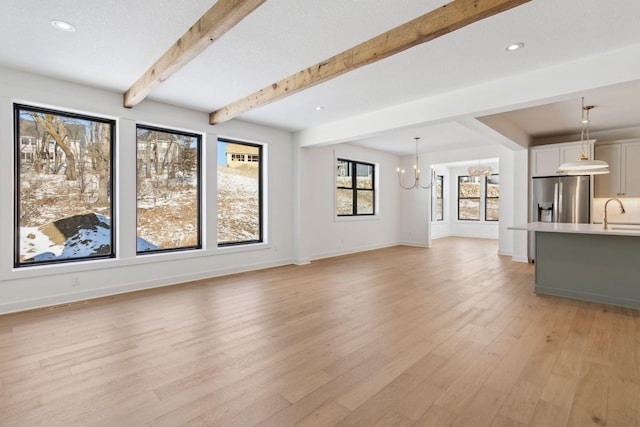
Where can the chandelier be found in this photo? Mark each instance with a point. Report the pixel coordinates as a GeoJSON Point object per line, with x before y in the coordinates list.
{"type": "Point", "coordinates": [584, 166]}
{"type": "Point", "coordinates": [416, 175]}
{"type": "Point", "coordinates": [479, 170]}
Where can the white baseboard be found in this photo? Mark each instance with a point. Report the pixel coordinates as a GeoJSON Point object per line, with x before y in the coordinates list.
{"type": "Point", "coordinates": [74, 297]}
{"type": "Point", "coordinates": [415, 244]}
{"type": "Point", "coordinates": [354, 250]}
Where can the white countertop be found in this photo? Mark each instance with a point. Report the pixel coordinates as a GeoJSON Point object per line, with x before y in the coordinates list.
{"type": "Point", "coordinates": [556, 227]}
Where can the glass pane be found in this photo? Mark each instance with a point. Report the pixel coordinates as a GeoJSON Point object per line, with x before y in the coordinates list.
{"type": "Point", "coordinates": [364, 176]}
{"type": "Point", "coordinates": [343, 174]}
{"type": "Point", "coordinates": [469, 186]}
{"type": "Point", "coordinates": [239, 216]}
{"type": "Point", "coordinates": [469, 209]}
{"type": "Point", "coordinates": [439, 180]}
{"type": "Point", "coordinates": [344, 202]}
{"type": "Point", "coordinates": [365, 202]}
{"type": "Point", "coordinates": [64, 187]}
{"type": "Point", "coordinates": [167, 190]}
{"type": "Point", "coordinates": [493, 186]}
{"type": "Point", "coordinates": [492, 209]}
{"type": "Point", "coordinates": [439, 210]}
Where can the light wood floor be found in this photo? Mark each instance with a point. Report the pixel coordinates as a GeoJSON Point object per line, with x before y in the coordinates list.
{"type": "Point", "coordinates": [451, 335]}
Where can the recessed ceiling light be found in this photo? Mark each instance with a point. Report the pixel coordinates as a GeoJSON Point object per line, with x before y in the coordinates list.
{"type": "Point", "coordinates": [319, 108]}
{"type": "Point", "coordinates": [63, 26]}
{"type": "Point", "coordinates": [514, 46]}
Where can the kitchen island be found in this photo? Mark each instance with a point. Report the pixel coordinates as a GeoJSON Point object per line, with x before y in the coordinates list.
{"type": "Point", "coordinates": [587, 262]}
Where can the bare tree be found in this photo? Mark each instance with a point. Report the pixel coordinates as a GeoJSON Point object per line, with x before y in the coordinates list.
{"type": "Point", "coordinates": [147, 157]}
{"type": "Point", "coordinates": [168, 156]}
{"type": "Point", "coordinates": [55, 127]}
{"type": "Point", "coordinates": [187, 158]}
{"type": "Point", "coordinates": [99, 150]}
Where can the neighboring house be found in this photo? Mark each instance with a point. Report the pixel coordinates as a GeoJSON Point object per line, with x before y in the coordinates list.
{"type": "Point", "coordinates": [159, 149]}
{"type": "Point", "coordinates": [28, 148]}
{"type": "Point", "coordinates": [242, 155]}
{"type": "Point", "coordinates": [32, 143]}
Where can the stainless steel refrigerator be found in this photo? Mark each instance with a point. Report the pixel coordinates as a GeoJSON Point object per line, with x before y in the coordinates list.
{"type": "Point", "coordinates": [559, 199]}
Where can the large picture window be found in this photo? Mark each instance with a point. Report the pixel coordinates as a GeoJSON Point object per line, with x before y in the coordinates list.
{"type": "Point", "coordinates": [469, 198]}
{"type": "Point", "coordinates": [168, 190]}
{"type": "Point", "coordinates": [64, 186]}
{"type": "Point", "coordinates": [492, 198]}
{"type": "Point", "coordinates": [355, 188]}
{"type": "Point", "coordinates": [239, 193]}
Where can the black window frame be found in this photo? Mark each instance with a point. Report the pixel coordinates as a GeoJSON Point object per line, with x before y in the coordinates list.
{"type": "Point", "coordinates": [261, 214]}
{"type": "Point", "coordinates": [198, 137]}
{"type": "Point", "coordinates": [479, 198]}
{"type": "Point", "coordinates": [353, 166]}
{"type": "Point", "coordinates": [434, 213]}
{"type": "Point", "coordinates": [486, 197]}
{"type": "Point", "coordinates": [17, 108]}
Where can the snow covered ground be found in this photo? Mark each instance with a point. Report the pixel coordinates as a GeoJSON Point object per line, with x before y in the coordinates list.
{"type": "Point", "coordinates": [88, 234]}
{"type": "Point", "coordinates": [238, 205]}
{"type": "Point", "coordinates": [92, 237]}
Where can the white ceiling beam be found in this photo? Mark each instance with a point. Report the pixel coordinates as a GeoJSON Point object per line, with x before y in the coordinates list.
{"type": "Point", "coordinates": [429, 26]}
{"type": "Point", "coordinates": [552, 84]}
{"type": "Point", "coordinates": [219, 19]}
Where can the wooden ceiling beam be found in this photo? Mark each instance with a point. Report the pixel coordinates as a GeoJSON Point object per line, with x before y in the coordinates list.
{"type": "Point", "coordinates": [429, 26]}
{"type": "Point", "coordinates": [219, 19]}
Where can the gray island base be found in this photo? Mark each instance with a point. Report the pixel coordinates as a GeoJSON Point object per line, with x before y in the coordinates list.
{"type": "Point", "coordinates": [602, 268]}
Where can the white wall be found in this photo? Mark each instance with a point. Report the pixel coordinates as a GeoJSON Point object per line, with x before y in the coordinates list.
{"type": "Point", "coordinates": [415, 212]}
{"type": "Point", "coordinates": [322, 233]}
{"type": "Point", "coordinates": [481, 229]}
{"type": "Point", "coordinates": [300, 213]}
{"type": "Point", "coordinates": [513, 193]}
{"type": "Point", "coordinates": [519, 188]}
{"type": "Point", "coordinates": [37, 286]}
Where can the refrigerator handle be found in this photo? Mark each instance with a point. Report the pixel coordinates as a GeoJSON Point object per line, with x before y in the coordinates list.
{"type": "Point", "coordinates": [555, 203]}
{"type": "Point", "coordinates": [560, 193]}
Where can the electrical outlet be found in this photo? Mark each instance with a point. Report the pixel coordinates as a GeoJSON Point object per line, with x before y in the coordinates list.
{"type": "Point", "coordinates": [75, 281]}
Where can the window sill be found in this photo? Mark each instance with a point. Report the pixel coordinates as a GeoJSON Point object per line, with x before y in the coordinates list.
{"type": "Point", "coordinates": [232, 249]}
{"type": "Point", "coordinates": [106, 264]}
{"type": "Point", "coordinates": [357, 218]}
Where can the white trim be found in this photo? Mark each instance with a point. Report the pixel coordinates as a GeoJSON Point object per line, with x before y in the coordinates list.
{"type": "Point", "coordinates": [349, 251]}
{"type": "Point", "coordinates": [71, 297]}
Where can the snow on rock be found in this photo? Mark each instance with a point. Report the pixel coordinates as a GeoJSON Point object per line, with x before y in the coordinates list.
{"type": "Point", "coordinates": [77, 236]}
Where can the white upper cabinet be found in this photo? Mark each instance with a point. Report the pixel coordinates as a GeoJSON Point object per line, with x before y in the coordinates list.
{"type": "Point", "coordinates": [608, 185]}
{"type": "Point", "coordinates": [631, 175]}
{"type": "Point", "coordinates": [545, 159]}
{"type": "Point", "coordinates": [624, 179]}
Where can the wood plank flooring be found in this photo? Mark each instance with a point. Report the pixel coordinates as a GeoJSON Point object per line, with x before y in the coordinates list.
{"type": "Point", "coordinates": [447, 336]}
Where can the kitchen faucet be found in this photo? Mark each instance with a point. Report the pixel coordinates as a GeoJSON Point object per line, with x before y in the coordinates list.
{"type": "Point", "coordinates": [604, 221]}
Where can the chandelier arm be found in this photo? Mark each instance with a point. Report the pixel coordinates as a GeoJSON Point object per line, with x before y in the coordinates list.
{"type": "Point", "coordinates": [428, 186]}
{"type": "Point", "coordinates": [433, 179]}
{"type": "Point", "coordinates": [401, 182]}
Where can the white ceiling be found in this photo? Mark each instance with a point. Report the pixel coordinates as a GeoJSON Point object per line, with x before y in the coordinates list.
{"type": "Point", "coordinates": [118, 40]}
{"type": "Point", "coordinates": [615, 107]}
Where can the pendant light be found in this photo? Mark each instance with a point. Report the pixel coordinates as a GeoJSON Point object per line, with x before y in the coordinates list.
{"type": "Point", "coordinates": [584, 165]}
{"type": "Point", "coordinates": [416, 174]}
{"type": "Point", "coordinates": [479, 170]}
